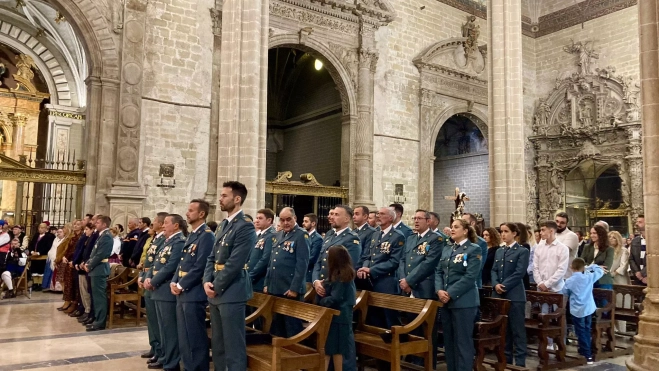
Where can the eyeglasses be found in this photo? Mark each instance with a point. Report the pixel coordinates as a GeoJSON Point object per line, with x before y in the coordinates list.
{"type": "Point", "coordinates": [419, 218]}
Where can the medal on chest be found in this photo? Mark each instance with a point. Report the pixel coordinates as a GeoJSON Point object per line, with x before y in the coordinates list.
{"type": "Point", "coordinates": [422, 249]}
{"type": "Point", "coordinates": [385, 248]}
{"type": "Point", "coordinates": [288, 246]}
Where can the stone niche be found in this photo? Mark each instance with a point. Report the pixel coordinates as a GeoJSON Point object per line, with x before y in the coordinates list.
{"type": "Point", "coordinates": [453, 81]}
{"type": "Point", "coordinates": [591, 120]}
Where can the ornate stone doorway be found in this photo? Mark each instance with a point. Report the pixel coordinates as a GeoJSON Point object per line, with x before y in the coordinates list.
{"type": "Point", "coordinates": [461, 161]}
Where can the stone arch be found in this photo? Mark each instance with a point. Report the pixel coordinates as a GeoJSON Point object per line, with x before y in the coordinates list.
{"type": "Point", "coordinates": [479, 119]}
{"type": "Point", "coordinates": [334, 66]}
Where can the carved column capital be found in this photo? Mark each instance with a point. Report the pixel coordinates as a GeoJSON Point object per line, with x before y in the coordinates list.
{"type": "Point", "coordinates": [17, 120]}
{"type": "Point", "coordinates": [368, 59]}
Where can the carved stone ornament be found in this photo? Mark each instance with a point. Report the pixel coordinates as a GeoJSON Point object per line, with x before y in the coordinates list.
{"type": "Point", "coordinates": [24, 75]}
{"type": "Point", "coordinates": [349, 59]}
{"type": "Point", "coordinates": [216, 18]}
{"type": "Point", "coordinates": [471, 31]}
{"type": "Point", "coordinates": [591, 115]}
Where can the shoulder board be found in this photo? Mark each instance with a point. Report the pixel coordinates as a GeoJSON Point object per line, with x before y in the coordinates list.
{"type": "Point", "coordinates": [208, 230]}
{"type": "Point", "coordinates": [306, 236]}
{"type": "Point", "coordinates": [440, 239]}
{"type": "Point", "coordinates": [401, 243]}
{"type": "Point", "coordinates": [356, 242]}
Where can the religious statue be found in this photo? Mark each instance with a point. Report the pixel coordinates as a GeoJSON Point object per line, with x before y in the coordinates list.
{"type": "Point", "coordinates": [118, 16]}
{"type": "Point", "coordinates": [554, 196]}
{"type": "Point", "coordinates": [24, 64]}
{"type": "Point", "coordinates": [542, 117]}
{"type": "Point", "coordinates": [459, 198]}
{"type": "Point", "coordinates": [585, 115]}
{"type": "Point", "coordinates": [630, 91]}
{"type": "Point", "coordinates": [471, 31]}
{"type": "Point", "coordinates": [585, 54]}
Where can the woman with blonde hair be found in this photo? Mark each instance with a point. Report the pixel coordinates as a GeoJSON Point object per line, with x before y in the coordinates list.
{"type": "Point", "coordinates": [619, 271]}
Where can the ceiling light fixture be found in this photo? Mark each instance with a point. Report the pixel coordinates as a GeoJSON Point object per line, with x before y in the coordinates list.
{"type": "Point", "coordinates": [318, 65]}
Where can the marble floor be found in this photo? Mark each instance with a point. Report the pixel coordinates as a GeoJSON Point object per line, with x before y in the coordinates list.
{"type": "Point", "coordinates": [35, 336]}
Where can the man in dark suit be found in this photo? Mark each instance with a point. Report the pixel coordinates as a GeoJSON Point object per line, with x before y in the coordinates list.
{"type": "Point", "coordinates": [637, 259]}
{"type": "Point", "coordinates": [418, 263]}
{"type": "Point", "coordinates": [87, 284]}
{"type": "Point", "coordinates": [128, 244]}
{"type": "Point", "coordinates": [98, 269]}
{"type": "Point", "coordinates": [398, 223]}
{"type": "Point", "coordinates": [362, 228]}
{"type": "Point", "coordinates": [286, 277]}
{"type": "Point", "coordinates": [259, 257]}
{"type": "Point", "coordinates": [380, 263]}
{"type": "Point", "coordinates": [309, 224]}
{"type": "Point", "coordinates": [226, 281]}
{"type": "Point", "coordinates": [141, 240]}
{"type": "Point", "coordinates": [187, 285]}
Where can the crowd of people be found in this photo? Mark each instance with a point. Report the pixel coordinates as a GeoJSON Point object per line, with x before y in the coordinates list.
{"type": "Point", "coordinates": [187, 264]}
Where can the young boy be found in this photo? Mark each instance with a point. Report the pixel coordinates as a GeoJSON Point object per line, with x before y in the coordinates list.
{"type": "Point", "coordinates": [579, 288]}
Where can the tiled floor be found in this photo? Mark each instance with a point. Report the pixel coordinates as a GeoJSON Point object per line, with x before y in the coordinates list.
{"type": "Point", "coordinates": [34, 335]}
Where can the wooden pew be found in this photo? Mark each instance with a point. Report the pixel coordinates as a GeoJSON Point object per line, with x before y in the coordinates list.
{"type": "Point", "coordinates": [289, 353]}
{"type": "Point", "coordinates": [367, 338]}
{"type": "Point", "coordinates": [636, 295]}
{"type": "Point", "coordinates": [123, 296]}
{"type": "Point", "coordinates": [552, 325]}
{"type": "Point", "coordinates": [490, 332]}
{"type": "Point", "coordinates": [310, 294]}
{"type": "Point", "coordinates": [603, 323]}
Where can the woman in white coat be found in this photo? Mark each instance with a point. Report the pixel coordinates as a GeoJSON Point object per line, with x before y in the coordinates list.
{"type": "Point", "coordinates": [620, 272]}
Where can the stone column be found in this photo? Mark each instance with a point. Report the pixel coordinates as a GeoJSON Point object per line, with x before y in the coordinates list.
{"type": "Point", "coordinates": [363, 159]}
{"type": "Point", "coordinates": [90, 144]}
{"type": "Point", "coordinates": [211, 186]}
{"type": "Point", "coordinates": [244, 24]}
{"type": "Point", "coordinates": [646, 344]}
{"type": "Point", "coordinates": [506, 129]}
{"type": "Point", "coordinates": [18, 122]}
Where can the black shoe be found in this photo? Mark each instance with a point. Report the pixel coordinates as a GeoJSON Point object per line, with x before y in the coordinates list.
{"type": "Point", "coordinates": [147, 355]}
{"type": "Point", "coordinates": [76, 313]}
{"type": "Point", "coordinates": [89, 321]}
{"type": "Point", "coordinates": [177, 368]}
{"type": "Point", "coordinates": [10, 294]}
{"type": "Point", "coordinates": [83, 318]}
{"type": "Point", "coordinates": [154, 366]}
{"type": "Point", "coordinates": [94, 328]}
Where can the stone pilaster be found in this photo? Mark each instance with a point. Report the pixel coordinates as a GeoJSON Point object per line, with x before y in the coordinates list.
{"type": "Point", "coordinates": [126, 195]}
{"type": "Point", "coordinates": [363, 156]}
{"type": "Point", "coordinates": [507, 170]}
{"type": "Point", "coordinates": [646, 344]}
{"type": "Point", "coordinates": [90, 142]}
{"type": "Point", "coordinates": [18, 124]}
{"type": "Point", "coordinates": [211, 187]}
{"type": "Point", "coordinates": [244, 43]}
{"type": "Point", "coordinates": [634, 161]}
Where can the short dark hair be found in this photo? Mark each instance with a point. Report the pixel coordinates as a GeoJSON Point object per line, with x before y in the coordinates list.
{"type": "Point", "coordinates": [89, 215]}
{"type": "Point", "coordinates": [471, 217]}
{"type": "Point", "coordinates": [146, 220]}
{"type": "Point", "coordinates": [89, 225]}
{"type": "Point", "coordinates": [372, 212]}
{"type": "Point", "coordinates": [238, 189]}
{"type": "Point", "coordinates": [578, 264]}
{"type": "Point", "coordinates": [105, 220]}
{"type": "Point", "coordinates": [563, 215]}
{"type": "Point", "coordinates": [347, 208]}
{"type": "Point", "coordinates": [52, 228]}
{"type": "Point", "coordinates": [365, 209]}
{"type": "Point", "coordinates": [212, 225]}
{"type": "Point", "coordinates": [435, 215]}
{"type": "Point", "coordinates": [120, 227]}
{"type": "Point", "coordinates": [397, 208]}
{"type": "Point", "coordinates": [312, 218]}
{"type": "Point", "coordinates": [641, 216]}
{"type": "Point", "coordinates": [160, 217]}
{"type": "Point", "coordinates": [182, 224]}
{"type": "Point", "coordinates": [202, 205]}
{"type": "Point", "coordinates": [549, 224]}
{"type": "Point", "coordinates": [268, 213]}
{"type": "Point", "coordinates": [427, 214]}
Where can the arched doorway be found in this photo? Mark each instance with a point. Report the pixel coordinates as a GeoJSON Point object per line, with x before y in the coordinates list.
{"type": "Point", "coordinates": [596, 191]}
{"type": "Point", "coordinates": [461, 161]}
{"type": "Point", "coordinates": [304, 135]}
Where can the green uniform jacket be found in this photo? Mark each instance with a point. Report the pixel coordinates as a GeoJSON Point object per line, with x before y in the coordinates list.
{"type": "Point", "coordinates": [164, 267]}
{"type": "Point", "coordinates": [419, 262]}
{"type": "Point", "coordinates": [456, 277]}
{"type": "Point", "coordinates": [101, 251]}
{"type": "Point", "coordinates": [509, 267]}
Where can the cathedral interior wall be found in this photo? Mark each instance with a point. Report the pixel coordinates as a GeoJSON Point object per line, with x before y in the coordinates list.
{"type": "Point", "coordinates": [177, 71]}
{"type": "Point", "coordinates": [396, 142]}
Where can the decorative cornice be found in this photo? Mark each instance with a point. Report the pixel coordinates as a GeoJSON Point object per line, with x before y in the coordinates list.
{"type": "Point", "coordinates": [468, 6]}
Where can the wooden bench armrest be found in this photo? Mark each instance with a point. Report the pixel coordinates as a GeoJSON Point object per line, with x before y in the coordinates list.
{"type": "Point", "coordinates": [487, 326]}
{"type": "Point", "coordinates": [607, 309]}
{"type": "Point", "coordinates": [265, 307]}
{"type": "Point", "coordinates": [420, 319]}
{"type": "Point", "coordinates": [546, 317]}
{"type": "Point", "coordinates": [324, 316]}
{"type": "Point", "coordinates": [124, 285]}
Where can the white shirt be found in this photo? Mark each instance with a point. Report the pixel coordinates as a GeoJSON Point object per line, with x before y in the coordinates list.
{"type": "Point", "coordinates": [387, 230]}
{"type": "Point", "coordinates": [116, 245]}
{"type": "Point", "coordinates": [196, 229]}
{"type": "Point", "coordinates": [311, 232]}
{"type": "Point", "coordinates": [341, 231]}
{"type": "Point", "coordinates": [397, 224]}
{"type": "Point", "coordinates": [421, 235]}
{"type": "Point", "coordinates": [571, 240]}
{"type": "Point", "coordinates": [4, 238]}
{"type": "Point", "coordinates": [232, 216]}
{"type": "Point", "coordinates": [550, 262]}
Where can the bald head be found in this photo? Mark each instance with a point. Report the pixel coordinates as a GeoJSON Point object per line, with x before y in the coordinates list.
{"type": "Point", "coordinates": [287, 219]}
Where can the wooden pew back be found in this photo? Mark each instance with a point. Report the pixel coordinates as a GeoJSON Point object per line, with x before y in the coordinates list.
{"type": "Point", "coordinates": [631, 304]}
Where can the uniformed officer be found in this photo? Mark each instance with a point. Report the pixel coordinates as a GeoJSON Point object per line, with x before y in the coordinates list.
{"type": "Point", "coordinates": [455, 282]}
{"type": "Point", "coordinates": [226, 280]}
{"type": "Point", "coordinates": [362, 228]}
{"type": "Point", "coordinates": [156, 354]}
{"type": "Point", "coordinates": [433, 223]}
{"type": "Point", "coordinates": [287, 271]}
{"type": "Point", "coordinates": [187, 285]}
{"type": "Point", "coordinates": [99, 269]}
{"type": "Point", "coordinates": [380, 263]}
{"type": "Point", "coordinates": [158, 280]}
{"type": "Point", "coordinates": [373, 220]}
{"type": "Point", "coordinates": [330, 221]}
{"type": "Point", "coordinates": [309, 224]}
{"type": "Point", "coordinates": [508, 272]}
{"type": "Point", "coordinates": [398, 223]}
{"type": "Point", "coordinates": [259, 257]}
{"type": "Point", "coordinates": [418, 263]}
